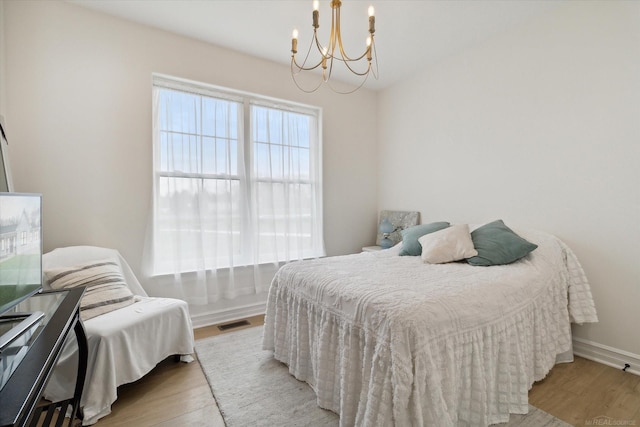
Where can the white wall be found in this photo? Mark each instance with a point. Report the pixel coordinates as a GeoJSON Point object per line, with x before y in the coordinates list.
{"type": "Point", "coordinates": [540, 127]}
{"type": "Point", "coordinates": [79, 111]}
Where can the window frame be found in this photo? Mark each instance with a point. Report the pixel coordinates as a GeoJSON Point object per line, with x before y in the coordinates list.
{"type": "Point", "coordinates": [246, 176]}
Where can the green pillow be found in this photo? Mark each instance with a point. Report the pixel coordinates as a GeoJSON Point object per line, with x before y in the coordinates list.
{"type": "Point", "coordinates": [497, 244]}
{"type": "Point", "coordinates": [410, 236]}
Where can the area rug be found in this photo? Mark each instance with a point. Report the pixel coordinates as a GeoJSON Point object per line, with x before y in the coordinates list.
{"type": "Point", "coordinates": [251, 388]}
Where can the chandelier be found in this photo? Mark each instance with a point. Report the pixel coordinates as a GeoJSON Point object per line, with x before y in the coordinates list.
{"type": "Point", "coordinates": [334, 51]}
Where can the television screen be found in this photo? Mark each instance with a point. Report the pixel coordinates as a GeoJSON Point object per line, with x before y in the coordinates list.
{"type": "Point", "coordinates": [20, 247]}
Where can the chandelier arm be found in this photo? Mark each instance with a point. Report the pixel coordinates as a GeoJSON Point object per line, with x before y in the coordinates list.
{"type": "Point", "coordinates": [293, 76]}
{"type": "Point", "coordinates": [349, 91]}
{"type": "Point", "coordinates": [303, 67]}
{"type": "Point", "coordinates": [375, 70]}
{"type": "Point", "coordinates": [337, 34]}
{"type": "Point", "coordinates": [357, 73]}
{"type": "Point", "coordinates": [324, 57]}
{"type": "Point", "coordinates": [346, 58]}
{"type": "Point", "coordinates": [330, 69]}
{"type": "Point", "coordinates": [342, 59]}
{"type": "Point", "coordinates": [335, 28]}
{"type": "Point", "coordinates": [343, 54]}
{"type": "Point", "coordinates": [319, 46]}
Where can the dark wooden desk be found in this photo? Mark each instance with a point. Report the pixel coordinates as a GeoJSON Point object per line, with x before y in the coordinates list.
{"type": "Point", "coordinates": [20, 403]}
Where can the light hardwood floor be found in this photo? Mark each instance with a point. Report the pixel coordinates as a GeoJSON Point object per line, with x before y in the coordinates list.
{"type": "Point", "coordinates": [582, 393]}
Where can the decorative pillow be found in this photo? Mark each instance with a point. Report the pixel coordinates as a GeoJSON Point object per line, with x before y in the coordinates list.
{"type": "Point", "coordinates": [450, 244]}
{"type": "Point", "coordinates": [105, 290]}
{"type": "Point", "coordinates": [497, 244]}
{"type": "Point", "coordinates": [410, 236]}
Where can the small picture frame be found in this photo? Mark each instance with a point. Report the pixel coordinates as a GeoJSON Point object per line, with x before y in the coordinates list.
{"type": "Point", "coordinates": [399, 221]}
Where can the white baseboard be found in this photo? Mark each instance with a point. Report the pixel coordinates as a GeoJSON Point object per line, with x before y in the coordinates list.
{"type": "Point", "coordinates": [606, 355]}
{"type": "Point", "coordinates": [224, 316]}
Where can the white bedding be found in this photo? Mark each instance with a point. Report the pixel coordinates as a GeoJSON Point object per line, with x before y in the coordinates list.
{"type": "Point", "coordinates": [389, 340]}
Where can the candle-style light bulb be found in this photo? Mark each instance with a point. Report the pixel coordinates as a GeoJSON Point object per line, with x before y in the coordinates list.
{"type": "Point", "coordinates": [372, 20]}
{"type": "Point", "coordinates": [294, 41]}
{"type": "Point", "coordinates": [368, 41]}
{"type": "Point", "coordinates": [316, 14]}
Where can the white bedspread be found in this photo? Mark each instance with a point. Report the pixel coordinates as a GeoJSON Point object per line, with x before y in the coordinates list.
{"type": "Point", "coordinates": [388, 340]}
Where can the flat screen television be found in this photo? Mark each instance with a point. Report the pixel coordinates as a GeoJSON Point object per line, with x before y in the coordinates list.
{"type": "Point", "coordinates": [20, 258]}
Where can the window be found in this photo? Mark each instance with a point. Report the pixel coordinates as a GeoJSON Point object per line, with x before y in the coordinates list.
{"type": "Point", "coordinates": [237, 179]}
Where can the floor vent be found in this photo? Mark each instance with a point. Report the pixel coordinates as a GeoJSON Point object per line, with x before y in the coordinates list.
{"type": "Point", "coordinates": [237, 324]}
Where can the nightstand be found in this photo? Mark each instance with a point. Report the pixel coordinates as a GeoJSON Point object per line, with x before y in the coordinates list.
{"type": "Point", "coordinates": [371, 248]}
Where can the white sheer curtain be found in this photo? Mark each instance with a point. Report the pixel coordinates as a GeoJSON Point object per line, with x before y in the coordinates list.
{"type": "Point", "coordinates": [286, 185]}
{"type": "Point", "coordinates": [237, 191]}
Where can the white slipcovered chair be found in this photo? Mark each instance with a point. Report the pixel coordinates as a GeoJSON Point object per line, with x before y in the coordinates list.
{"type": "Point", "coordinates": [124, 344]}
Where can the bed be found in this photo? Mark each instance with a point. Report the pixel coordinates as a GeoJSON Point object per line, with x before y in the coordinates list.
{"type": "Point", "coordinates": [389, 340]}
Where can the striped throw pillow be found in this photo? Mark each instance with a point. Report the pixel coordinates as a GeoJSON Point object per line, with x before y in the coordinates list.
{"type": "Point", "coordinates": [105, 290]}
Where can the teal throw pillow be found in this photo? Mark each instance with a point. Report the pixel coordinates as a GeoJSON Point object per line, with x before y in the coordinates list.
{"type": "Point", "coordinates": [410, 236]}
{"type": "Point", "coordinates": [497, 244]}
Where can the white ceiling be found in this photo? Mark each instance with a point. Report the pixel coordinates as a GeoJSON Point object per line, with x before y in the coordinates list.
{"type": "Point", "coordinates": [410, 35]}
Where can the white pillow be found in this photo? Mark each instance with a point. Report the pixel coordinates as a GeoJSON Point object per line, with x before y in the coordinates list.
{"type": "Point", "coordinates": [450, 244]}
{"type": "Point", "coordinates": [105, 288]}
